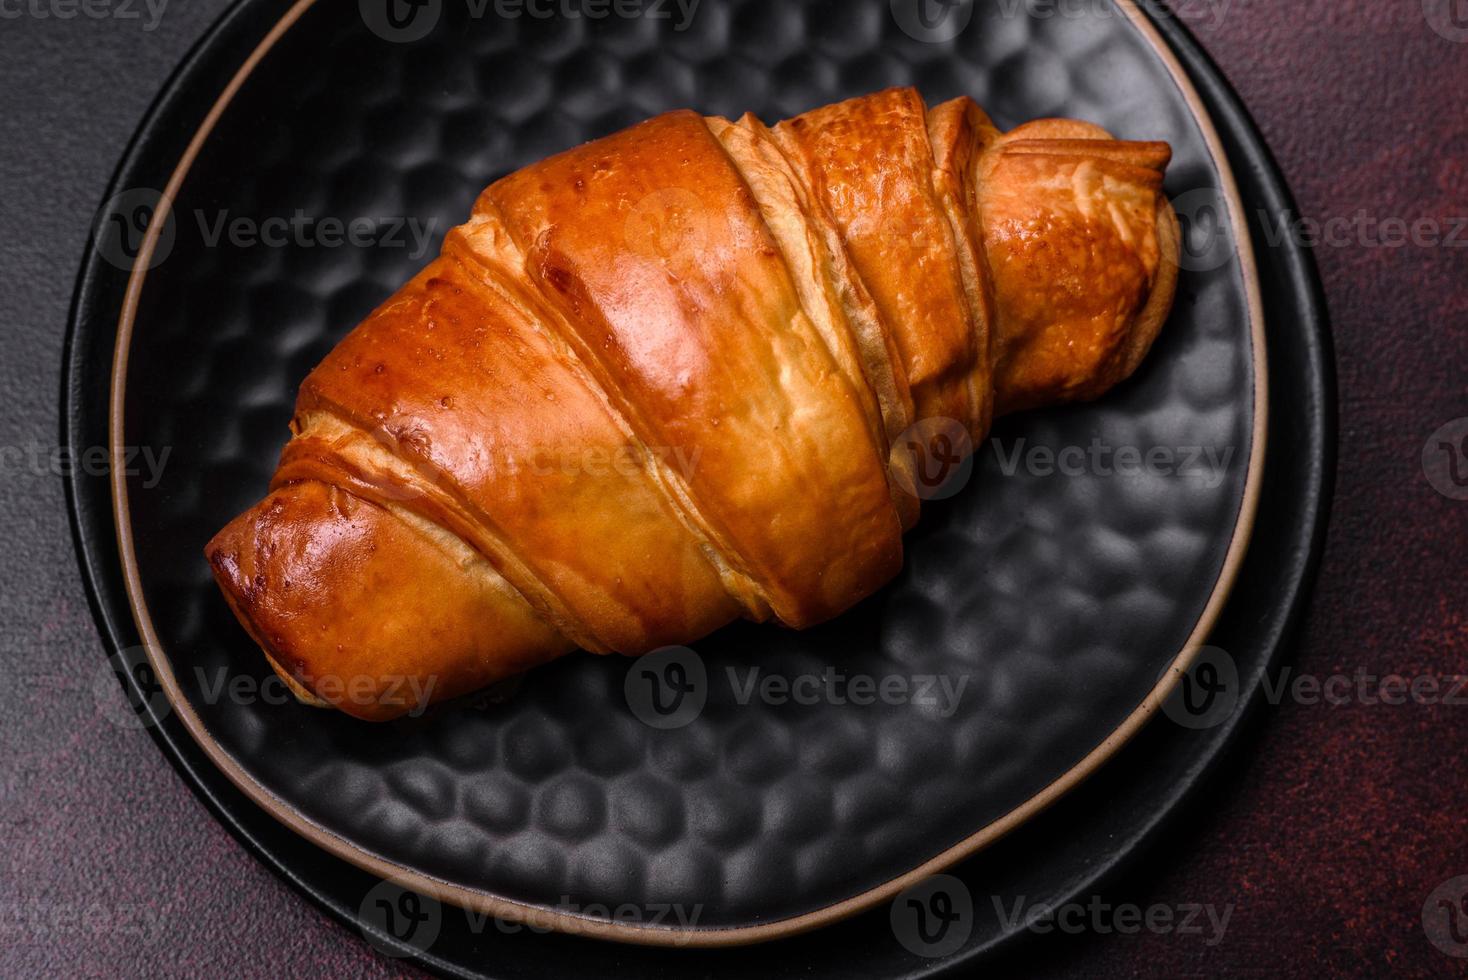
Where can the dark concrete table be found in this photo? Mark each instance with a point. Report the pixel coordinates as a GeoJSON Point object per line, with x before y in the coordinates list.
{"type": "Point", "coordinates": [1325, 833]}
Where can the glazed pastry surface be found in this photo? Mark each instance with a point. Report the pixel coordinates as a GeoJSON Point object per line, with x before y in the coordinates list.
{"type": "Point", "coordinates": [670, 378]}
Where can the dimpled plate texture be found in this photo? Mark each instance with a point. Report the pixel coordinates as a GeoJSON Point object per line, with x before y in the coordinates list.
{"type": "Point", "coordinates": [1056, 600]}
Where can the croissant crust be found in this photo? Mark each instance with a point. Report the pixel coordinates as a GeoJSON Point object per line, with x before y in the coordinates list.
{"type": "Point", "coordinates": [668, 378]}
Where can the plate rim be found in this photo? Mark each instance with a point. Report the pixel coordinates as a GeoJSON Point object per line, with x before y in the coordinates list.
{"type": "Point", "coordinates": [483, 901]}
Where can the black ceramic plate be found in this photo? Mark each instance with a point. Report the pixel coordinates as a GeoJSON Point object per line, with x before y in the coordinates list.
{"type": "Point", "coordinates": [1062, 600]}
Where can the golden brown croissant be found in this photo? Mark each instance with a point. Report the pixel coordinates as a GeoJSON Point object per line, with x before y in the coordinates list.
{"type": "Point", "coordinates": [659, 381]}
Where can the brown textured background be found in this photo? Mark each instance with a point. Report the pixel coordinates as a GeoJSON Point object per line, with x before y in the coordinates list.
{"type": "Point", "coordinates": [1326, 830]}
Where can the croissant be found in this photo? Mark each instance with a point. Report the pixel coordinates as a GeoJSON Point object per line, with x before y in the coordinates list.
{"type": "Point", "coordinates": [662, 381]}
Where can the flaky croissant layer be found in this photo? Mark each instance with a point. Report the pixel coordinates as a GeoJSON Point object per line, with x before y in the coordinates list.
{"type": "Point", "coordinates": [662, 380]}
